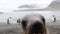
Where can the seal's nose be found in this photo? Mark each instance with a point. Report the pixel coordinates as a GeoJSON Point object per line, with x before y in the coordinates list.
{"type": "Point", "coordinates": [36, 27]}
{"type": "Point", "coordinates": [37, 23]}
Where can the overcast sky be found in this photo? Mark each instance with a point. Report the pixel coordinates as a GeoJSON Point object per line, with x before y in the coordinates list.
{"type": "Point", "coordinates": [9, 5]}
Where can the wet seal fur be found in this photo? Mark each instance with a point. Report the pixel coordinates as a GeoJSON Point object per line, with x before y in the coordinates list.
{"type": "Point", "coordinates": [34, 24]}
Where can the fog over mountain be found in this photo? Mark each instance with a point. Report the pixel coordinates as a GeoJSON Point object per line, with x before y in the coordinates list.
{"type": "Point", "coordinates": [26, 6]}
{"type": "Point", "coordinates": [45, 10]}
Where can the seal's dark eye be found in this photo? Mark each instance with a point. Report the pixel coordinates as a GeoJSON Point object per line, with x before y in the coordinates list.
{"type": "Point", "coordinates": [43, 20]}
{"type": "Point", "coordinates": [24, 22]}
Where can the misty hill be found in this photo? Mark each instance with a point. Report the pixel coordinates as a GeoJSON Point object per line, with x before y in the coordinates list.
{"type": "Point", "coordinates": [27, 6]}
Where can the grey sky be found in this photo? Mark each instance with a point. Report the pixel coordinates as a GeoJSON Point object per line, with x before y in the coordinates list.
{"type": "Point", "coordinates": [9, 5]}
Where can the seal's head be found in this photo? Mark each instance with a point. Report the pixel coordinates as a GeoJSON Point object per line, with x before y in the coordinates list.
{"type": "Point", "coordinates": [33, 24]}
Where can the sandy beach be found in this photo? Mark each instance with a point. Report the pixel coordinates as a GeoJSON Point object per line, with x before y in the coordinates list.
{"type": "Point", "coordinates": [54, 28]}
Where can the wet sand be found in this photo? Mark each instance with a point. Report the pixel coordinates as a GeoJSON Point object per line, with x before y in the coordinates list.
{"type": "Point", "coordinates": [10, 29]}
{"type": "Point", "coordinates": [54, 28]}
